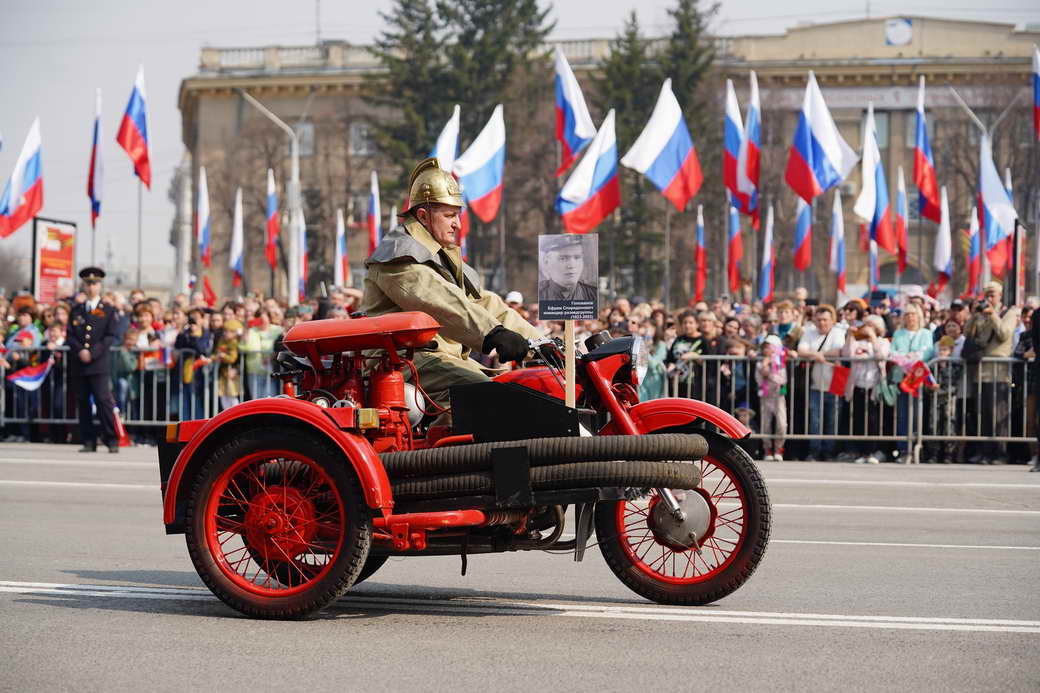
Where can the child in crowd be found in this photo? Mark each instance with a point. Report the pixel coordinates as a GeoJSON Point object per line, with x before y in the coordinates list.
{"type": "Point", "coordinates": [771, 374]}
{"type": "Point", "coordinates": [949, 404]}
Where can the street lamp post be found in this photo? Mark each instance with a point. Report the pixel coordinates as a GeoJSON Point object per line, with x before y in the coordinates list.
{"type": "Point", "coordinates": [295, 204]}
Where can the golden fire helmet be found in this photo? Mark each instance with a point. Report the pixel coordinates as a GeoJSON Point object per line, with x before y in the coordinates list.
{"type": "Point", "coordinates": [430, 183]}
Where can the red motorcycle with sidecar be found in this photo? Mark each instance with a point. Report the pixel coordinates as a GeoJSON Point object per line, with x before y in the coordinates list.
{"type": "Point", "coordinates": [286, 502]}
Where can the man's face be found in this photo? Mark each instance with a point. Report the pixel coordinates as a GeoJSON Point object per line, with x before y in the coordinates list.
{"type": "Point", "coordinates": [565, 266]}
{"type": "Point", "coordinates": [442, 221]}
{"type": "Point", "coordinates": [92, 288]}
{"type": "Point", "coordinates": [824, 320]}
{"type": "Point", "coordinates": [993, 297]}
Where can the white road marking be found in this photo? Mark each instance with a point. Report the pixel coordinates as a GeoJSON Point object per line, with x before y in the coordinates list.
{"type": "Point", "coordinates": [792, 481]}
{"type": "Point", "coordinates": [470, 606]}
{"type": "Point", "coordinates": [905, 545]}
{"type": "Point", "coordinates": [79, 463]}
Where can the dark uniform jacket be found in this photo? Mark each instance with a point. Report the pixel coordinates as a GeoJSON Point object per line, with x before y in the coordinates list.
{"type": "Point", "coordinates": [549, 290]}
{"type": "Point", "coordinates": [92, 330]}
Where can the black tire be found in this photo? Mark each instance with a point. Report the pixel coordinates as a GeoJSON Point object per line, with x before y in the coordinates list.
{"type": "Point", "coordinates": [617, 540]}
{"type": "Point", "coordinates": [373, 563]}
{"type": "Point", "coordinates": [237, 518]}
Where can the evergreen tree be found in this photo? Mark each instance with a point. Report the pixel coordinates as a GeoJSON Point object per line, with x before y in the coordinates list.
{"type": "Point", "coordinates": [629, 83]}
{"type": "Point", "coordinates": [410, 90]}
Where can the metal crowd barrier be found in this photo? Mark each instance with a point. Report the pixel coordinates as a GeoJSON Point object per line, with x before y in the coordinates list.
{"type": "Point", "coordinates": [982, 403]}
{"type": "Point", "coordinates": [993, 401]}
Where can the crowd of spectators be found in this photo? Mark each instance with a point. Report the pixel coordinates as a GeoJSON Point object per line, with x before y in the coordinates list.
{"type": "Point", "coordinates": [816, 381]}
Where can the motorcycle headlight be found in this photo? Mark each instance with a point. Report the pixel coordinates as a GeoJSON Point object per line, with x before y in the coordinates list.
{"type": "Point", "coordinates": [640, 360]}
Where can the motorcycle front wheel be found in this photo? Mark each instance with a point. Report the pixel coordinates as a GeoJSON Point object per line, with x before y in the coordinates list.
{"type": "Point", "coordinates": [722, 559]}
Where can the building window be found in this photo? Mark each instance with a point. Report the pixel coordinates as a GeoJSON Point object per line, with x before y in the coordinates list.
{"type": "Point", "coordinates": [305, 136]}
{"type": "Point", "coordinates": [881, 123]}
{"type": "Point", "coordinates": [361, 143]}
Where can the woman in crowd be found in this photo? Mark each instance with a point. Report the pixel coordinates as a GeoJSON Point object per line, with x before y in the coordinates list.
{"type": "Point", "coordinates": [911, 342]}
{"type": "Point", "coordinates": [258, 345]}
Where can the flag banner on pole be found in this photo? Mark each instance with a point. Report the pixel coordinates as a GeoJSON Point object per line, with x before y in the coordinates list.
{"type": "Point", "coordinates": [803, 236]}
{"type": "Point", "coordinates": [837, 247]}
{"type": "Point", "coordinates": [819, 158]}
{"type": "Point", "coordinates": [133, 131]}
{"type": "Point", "coordinates": [23, 194]}
{"type": "Point", "coordinates": [375, 233]}
{"type": "Point", "coordinates": [273, 222]}
{"type": "Point", "coordinates": [748, 162]}
{"type": "Point", "coordinates": [592, 192]}
{"type": "Point", "coordinates": [974, 253]}
{"type": "Point", "coordinates": [574, 126]}
{"type": "Point", "coordinates": [736, 250]}
{"type": "Point", "coordinates": [31, 377]}
{"type": "Point", "coordinates": [1036, 94]}
{"type": "Point", "coordinates": [447, 146]}
{"type": "Point", "coordinates": [202, 229]}
{"type": "Point", "coordinates": [341, 265]}
{"type": "Point", "coordinates": [235, 257]}
{"type": "Point", "coordinates": [701, 276]}
{"type": "Point", "coordinates": [95, 169]}
{"type": "Point", "coordinates": [902, 214]}
{"type": "Point", "coordinates": [872, 203]}
{"type": "Point", "coordinates": [481, 168]}
{"type": "Point", "coordinates": [208, 294]}
{"type": "Point", "coordinates": [997, 214]}
{"type": "Point", "coordinates": [924, 164]}
{"type": "Point", "coordinates": [733, 140]}
{"type": "Point", "coordinates": [766, 281]}
{"type": "Point", "coordinates": [664, 152]}
{"type": "Point", "coordinates": [943, 258]}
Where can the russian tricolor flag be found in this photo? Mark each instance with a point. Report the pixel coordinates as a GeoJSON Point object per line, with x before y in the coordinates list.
{"type": "Point", "coordinates": [749, 161]}
{"type": "Point", "coordinates": [94, 174]}
{"type": "Point", "coordinates": [700, 278]}
{"type": "Point", "coordinates": [974, 253]}
{"type": "Point", "coordinates": [736, 250]}
{"type": "Point", "coordinates": [341, 266]}
{"type": "Point", "coordinates": [733, 139]}
{"type": "Point", "coordinates": [235, 257]}
{"type": "Point", "coordinates": [574, 126]}
{"type": "Point", "coordinates": [375, 233]}
{"type": "Point", "coordinates": [924, 164]}
{"type": "Point", "coordinates": [837, 249]}
{"type": "Point", "coordinates": [592, 192]}
{"type": "Point", "coordinates": [803, 236]}
{"type": "Point", "coordinates": [447, 146]}
{"type": "Point", "coordinates": [480, 168]}
{"type": "Point", "coordinates": [872, 203]}
{"type": "Point", "coordinates": [943, 258]}
{"type": "Point", "coordinates": [997, 215]}
{"type": "Point", "coordinates": [664, 152]}
{"type": "Point", "coordinates": [902, 214]}
{"type": "Point", "coordinates": [1036, 92]}
{"type": "Point", "coordinates": [766, 281]}
{"type": "Point", "coordinates": [273, 223]}
{"type": "Point", "coordinates": [202, 229]}
{"type": "Point", "coordinates": [819, 158]}
{"type": "Point", "coordinates": [133, 131]}
{"type": "Point", "coordinates": [23, 195]}
{"type": "Point", "coordinates": [31, 377]}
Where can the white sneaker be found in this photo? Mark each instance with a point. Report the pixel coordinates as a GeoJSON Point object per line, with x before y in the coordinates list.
{"type": "Point", "coordinates": [873, 460]}
{"type": "Point", "coordinates": [778, 457]}
{"type": "Point", "coordinates": [769, 458]}
{"type": "Point", "coordinates": [861, 460]}
{"type": "Point", "coordinates": [878, 457]}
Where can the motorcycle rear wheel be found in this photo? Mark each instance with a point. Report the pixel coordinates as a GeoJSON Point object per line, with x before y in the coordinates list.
{"type": "Point", "coordinates": [276, 524]}
{"type": "Point", "coordinates": [730, 551]}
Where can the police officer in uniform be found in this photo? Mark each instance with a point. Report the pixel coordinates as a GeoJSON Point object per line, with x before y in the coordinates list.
{"type": "Point", "coordinates": [563, 261]}
{"type": "Point", "coordinates": [91, 333]}
{"type": "Point", "coordinates": [418, 266]}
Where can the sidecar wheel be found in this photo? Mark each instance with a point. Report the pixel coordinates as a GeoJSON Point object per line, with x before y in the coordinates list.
{"type": "Point", "coordinates": [732, 547]}
{"type": "Point", "coordinates": [276, 524]}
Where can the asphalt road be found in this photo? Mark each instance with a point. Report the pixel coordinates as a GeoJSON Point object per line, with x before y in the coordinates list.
{"type": "Point", "coordinates": [878, 578]}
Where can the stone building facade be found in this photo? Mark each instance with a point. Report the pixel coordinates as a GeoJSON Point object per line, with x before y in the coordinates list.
{"type": "Point", "coordinates": [318, 90]}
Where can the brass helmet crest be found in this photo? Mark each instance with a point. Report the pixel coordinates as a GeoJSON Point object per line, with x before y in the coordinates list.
{"type": "Point", "coordinates": [430, 183]}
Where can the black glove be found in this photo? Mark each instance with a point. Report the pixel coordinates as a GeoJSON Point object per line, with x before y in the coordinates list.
{"type": "Point", "coordinates": [511, 346]}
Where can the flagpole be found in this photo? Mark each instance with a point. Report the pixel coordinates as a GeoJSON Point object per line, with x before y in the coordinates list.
{"type": "Point", "coordinates": [667, 288]}
{"type": "Point", "coordinates": [140, 235]}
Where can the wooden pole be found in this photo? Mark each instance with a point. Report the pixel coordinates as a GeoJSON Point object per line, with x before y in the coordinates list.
{"type": "Point", "coordinates": [568, 343]}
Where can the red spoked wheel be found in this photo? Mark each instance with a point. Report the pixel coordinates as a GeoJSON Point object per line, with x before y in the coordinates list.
{"type": "Point", "coordinates": [729, 513]}
{"type": "Point", "coordinates": [276, 524]}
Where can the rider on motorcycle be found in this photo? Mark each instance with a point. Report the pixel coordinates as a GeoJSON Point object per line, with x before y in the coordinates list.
{"type": "Point", "coordinates": [418, 266]}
